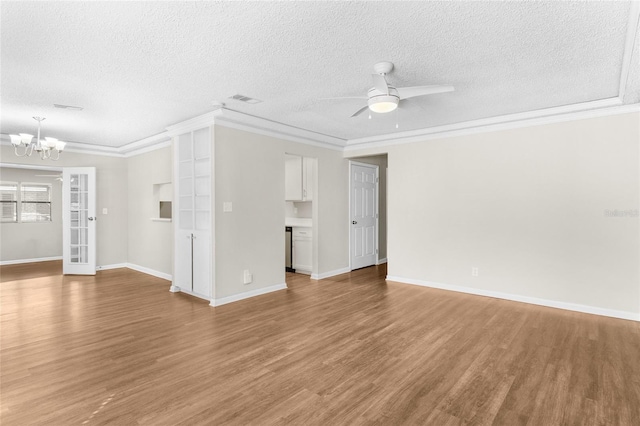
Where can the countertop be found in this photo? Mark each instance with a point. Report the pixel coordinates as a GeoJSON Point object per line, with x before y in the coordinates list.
{"type": "Point", "coordinates": [298, 222]}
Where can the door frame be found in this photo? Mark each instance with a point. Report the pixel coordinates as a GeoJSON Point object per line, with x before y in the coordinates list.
{"type": "Point", "coordinates": [376, 207]}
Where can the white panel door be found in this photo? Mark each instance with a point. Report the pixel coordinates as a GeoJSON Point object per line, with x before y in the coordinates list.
{"type": "Point", "coordinates": [79, 220]}
{"type": "Point", "coordinates": [364, 215]}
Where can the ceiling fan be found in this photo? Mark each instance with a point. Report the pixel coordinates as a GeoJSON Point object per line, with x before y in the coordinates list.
{"type": "Point", "coordinates": [383, 97]}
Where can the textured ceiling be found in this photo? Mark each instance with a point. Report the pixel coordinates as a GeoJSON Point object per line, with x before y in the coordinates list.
{"type": "Point", "coordinates": [137, 67]}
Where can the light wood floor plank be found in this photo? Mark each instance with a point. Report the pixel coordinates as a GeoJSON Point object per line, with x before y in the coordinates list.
{"type": "Point", "coordinates": [119, 348]}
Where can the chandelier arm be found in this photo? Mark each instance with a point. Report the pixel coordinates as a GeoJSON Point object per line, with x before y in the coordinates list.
{"type": "Point", "coordinates": [44, 150]}
{"type": "Point", "coordinates": [15, 148]}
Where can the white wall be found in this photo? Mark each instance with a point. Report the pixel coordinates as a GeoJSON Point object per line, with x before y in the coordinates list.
{"type": "Point", "coordinates": [111, 182]}
{"type": "Point", "coordinates": [150, 243]}
{"type": "Point", "coordinates": [525, 206]}
{"type": "Point", "coordinates": [249, 172]}
{"type": "Point", "coordinates": [25, 241]}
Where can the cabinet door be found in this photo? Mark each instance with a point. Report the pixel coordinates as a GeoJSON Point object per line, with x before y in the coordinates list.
{"type": "Point", "coordinates": [201, 264]}
{"type": "Point", "coordinates": [302, 254]}
{"type": "Point", "coordinates": [183, 253]}
{"type": "Point", "coordinates": [292, 177]}
{"type": "Point", "coordinates": [308, 178]}
{"type": "Point", "coordinates": [192, 230]}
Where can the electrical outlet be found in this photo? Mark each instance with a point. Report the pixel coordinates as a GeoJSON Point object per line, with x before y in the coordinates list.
{"type": "Point", "coordinates": [248, 277]}
{"type": "Point", "coordinates": [474, 271]}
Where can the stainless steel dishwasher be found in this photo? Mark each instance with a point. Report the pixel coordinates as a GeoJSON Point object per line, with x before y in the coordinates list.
{"type": "Point", "coordinates": [288, 249]}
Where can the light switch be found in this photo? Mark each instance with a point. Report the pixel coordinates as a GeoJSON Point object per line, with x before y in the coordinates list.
{"type": "Point", "coordinates": [104, 210]}
{"type": "Point", "coordinates": [227, 206]}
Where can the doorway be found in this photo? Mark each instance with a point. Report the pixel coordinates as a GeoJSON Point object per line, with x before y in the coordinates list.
{"type": "Point", "coordinates": [363, 214]}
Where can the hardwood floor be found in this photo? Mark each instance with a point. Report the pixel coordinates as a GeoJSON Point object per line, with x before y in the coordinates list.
{"type": "Point", "coordinates": [120, 349]}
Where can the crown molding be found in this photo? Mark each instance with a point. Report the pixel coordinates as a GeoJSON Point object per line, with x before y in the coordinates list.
{"type": "Point", "coordinates": [30, 167]}
{"type": "Point", "coordinates": [632, 30]}
{"type": "Point", "coordinates": [251, 123]}
{"type": "Point", "coordinates": [145, 145]}
{"type": "Point", "coordinates": [604, 107]}
{"type": "Point", "coordinates": [194, 123]}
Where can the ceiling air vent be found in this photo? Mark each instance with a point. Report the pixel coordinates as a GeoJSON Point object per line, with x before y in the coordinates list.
{"type": "Point", "coordinates": [245, 99]}
{"type": "Point", "coordinates": [73, 108]}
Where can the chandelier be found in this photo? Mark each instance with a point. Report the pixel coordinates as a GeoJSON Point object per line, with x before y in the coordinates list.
{"type": "Point", "coordinates": [49, 148]}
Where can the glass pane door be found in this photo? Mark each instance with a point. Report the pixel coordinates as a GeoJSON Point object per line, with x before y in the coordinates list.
{"type": "Point", "coordinates": [79, 220]}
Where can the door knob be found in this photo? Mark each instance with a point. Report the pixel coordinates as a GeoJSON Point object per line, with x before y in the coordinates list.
{"type": "Point", "coordinates": [90, 218]}
{"type": "Point", "coordinates": [354, 222]}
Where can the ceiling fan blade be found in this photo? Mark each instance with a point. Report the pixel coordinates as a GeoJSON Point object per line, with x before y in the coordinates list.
{"type": "Point", "coordinates": [360, 111]}
{"type": "Point", "coordinates": [410, 92]}
{"type": "Point", "coordinates": [343, 97]}
{"type": "Point", "coordinates": [410, 105]}
{"type": "Point", "coordinates": [380, 83]}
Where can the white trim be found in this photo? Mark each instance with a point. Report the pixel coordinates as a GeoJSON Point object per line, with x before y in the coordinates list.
{"type": "Point", "coordinates": [634, 316]}
{"type": "Point", "coordinates": [632, 28]}
{"type": "Point", "coordinates": [602, 108]}
{"type": "Point", "coordinates": [247, 294]}
{"type": "Point", "coordinates": [148, 148]}
{"type": "Point", "coordinates": [195, 123]}
{"type": "Point", "coordinates": [329, 274]}
{"type": "Point", "coordinates": [176, 289]}
{"type": "Point", "coordinates": [113, 266]}
{"type": "Point", "coordinates": [382, 261]}
{"type": "Point", "coordinates": [34, 260]}
{"type": "Point", "coordinates": [241, 121]}
{"type": "Point", "coordinates": [31, 167]}
{"type": "Point", "coordinates": [149, 271]}
{"type": "Point", "coordinates": [160, 219]}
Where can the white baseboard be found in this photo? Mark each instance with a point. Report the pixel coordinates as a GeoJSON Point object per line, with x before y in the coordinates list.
{"type": "Point", "coordinates": [330, 273]}
{"type": "Point", "coordinates": [113, 266]}
{"type": "Point", "coordinates": [149, 271]}
{"type": "Point", "coordinates": [525, 299]}
{"type": "Point", "coordinates": [381, 261]}
{"type": "Point", "coordinates": [247, 294]}
{"type": "Point", "coordinates": [175, 289]}
{"type": "Point", "coordinates": [37, 259]}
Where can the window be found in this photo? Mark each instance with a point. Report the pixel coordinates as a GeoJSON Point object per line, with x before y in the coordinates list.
{"type": "Point", "coordinates": [9, 201]}
{"type": "Point", "coordinates": [35, 201]}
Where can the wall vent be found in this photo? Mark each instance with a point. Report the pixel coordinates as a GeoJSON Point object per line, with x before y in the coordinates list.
{"type": "Point", "coordinates": [246, 99]}
{"type": "Point", "coordinates": [71, 107]}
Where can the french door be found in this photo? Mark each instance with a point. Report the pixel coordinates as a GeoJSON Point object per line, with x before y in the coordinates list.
{"type": "Point", "coordinates": [79, 220]}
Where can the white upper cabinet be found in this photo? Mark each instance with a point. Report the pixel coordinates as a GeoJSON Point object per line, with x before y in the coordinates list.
{"type": "Point", "coordinates": [307, 178]}
{"type": "Point", "coordinates": [299, 176]}
{"type": "Point", "coordinates": [293, 177]}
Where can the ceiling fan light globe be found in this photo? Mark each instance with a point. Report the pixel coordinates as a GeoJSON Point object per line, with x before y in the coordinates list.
{"type": "Point", "coordinates": [15, 140]}
{"type": "Point", "coordinates": [60, 145]}
{"type": "Point", "coordinates": [383, 104]}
